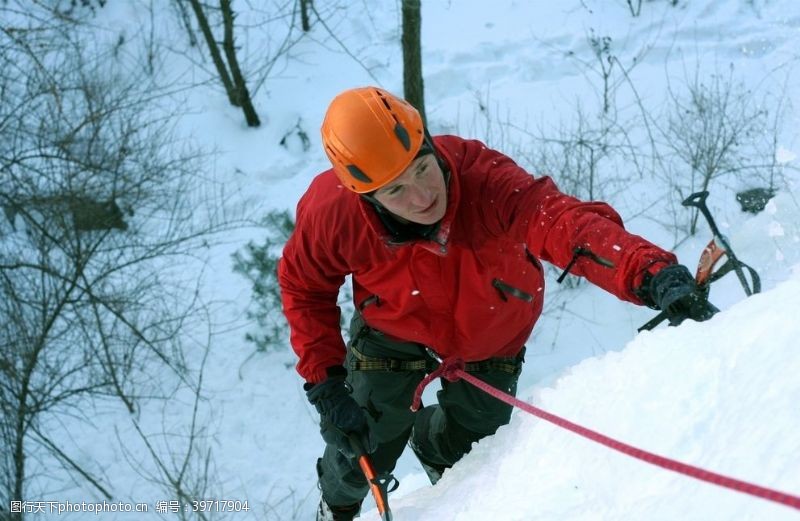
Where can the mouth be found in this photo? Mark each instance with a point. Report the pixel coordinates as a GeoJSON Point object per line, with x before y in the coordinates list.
{"type": "Point", "coordinates": [430, 207]}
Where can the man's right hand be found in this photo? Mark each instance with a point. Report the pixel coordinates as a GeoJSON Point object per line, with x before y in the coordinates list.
{"type": "Point", "coordinates": [340, 416]}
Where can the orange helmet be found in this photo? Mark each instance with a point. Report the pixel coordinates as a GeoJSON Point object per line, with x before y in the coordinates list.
{"type": "Point", "coordinates": [370, 136]}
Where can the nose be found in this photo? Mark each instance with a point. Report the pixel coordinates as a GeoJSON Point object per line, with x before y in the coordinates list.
{"type": "Point", "coordinates": [420, 197]}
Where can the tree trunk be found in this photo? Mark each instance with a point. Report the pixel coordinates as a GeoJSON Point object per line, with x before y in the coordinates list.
{"type": "Point", "coordinates": [304, 6]}
{"type": "Point", "coordinates": [234, 82]}
{"type": "Point", "coordinates": [19, 454]}
{"type": "Point", "coordinates": [413, 89]}
{"type": "Point", "coordinates": [241, 93]}
{"type": "Point", "coordinates": [213, 48]}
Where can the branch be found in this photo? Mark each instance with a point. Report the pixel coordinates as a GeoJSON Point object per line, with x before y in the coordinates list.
{"type": "Point", "coordinates": [342, 45]}
{"type": "Point", "coordinates": [66, 459]}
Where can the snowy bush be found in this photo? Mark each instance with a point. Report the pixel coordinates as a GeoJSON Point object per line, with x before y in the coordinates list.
{"type": "Point", "coordinates": [258, 264]}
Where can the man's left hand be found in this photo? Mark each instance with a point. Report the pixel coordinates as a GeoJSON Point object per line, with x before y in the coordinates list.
{"type": "Point", "coordinates": [674, 290]}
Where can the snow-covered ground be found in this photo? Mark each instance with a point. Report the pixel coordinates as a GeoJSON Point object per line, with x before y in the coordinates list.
{"type": "Point", "coordinates": [722, 395]}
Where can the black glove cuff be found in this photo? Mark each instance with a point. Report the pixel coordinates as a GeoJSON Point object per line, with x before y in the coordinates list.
{"type": "Point", "coordinates": [643, 291]}
{"type": "Point", "coordinates": [325, 394]}
{"type": "Point", "coordinates": [334, 370]}
{"type": "Point", "coordinates": [671, 284]}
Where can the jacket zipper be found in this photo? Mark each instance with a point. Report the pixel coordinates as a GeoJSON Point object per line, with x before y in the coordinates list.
{"type": "Point", "coordinates": [586, 252]}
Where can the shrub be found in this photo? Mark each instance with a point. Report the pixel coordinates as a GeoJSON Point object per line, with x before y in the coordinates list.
{"type": "Point", "coordinates": [258, 264]}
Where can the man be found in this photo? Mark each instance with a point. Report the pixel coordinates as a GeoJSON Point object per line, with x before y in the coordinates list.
{"type": "Point", "coordinates": [442, 237]}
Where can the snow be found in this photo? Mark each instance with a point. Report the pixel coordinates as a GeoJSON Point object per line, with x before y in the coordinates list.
{"type": "Point", "coordinates": [784, 156]}
{"type": "Point", "coordinates": [722, 395]}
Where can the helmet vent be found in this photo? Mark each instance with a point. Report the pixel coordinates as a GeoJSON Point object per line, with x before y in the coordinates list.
{"type": "Point", "coordinates": [402, 134]}
{"type": "Point", "coordinates": [358, 174]}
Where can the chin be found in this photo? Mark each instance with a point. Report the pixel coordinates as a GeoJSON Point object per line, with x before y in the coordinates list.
{"type": "Point", "coordinates": [428, 220]}
{"type": "Point", "coordinates": [434, 217]}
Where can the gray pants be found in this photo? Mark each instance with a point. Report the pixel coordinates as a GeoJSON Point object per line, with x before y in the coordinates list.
{"type": "Point", "coordinates": [443, 433]}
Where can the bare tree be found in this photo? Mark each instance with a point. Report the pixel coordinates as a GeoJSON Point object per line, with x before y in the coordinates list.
{"type": "Point", "coordinates": [225, 60]}
{"type": "Point", "coordinates": [99, 207]}
{"type": "Point", "coordinates": [327, 16]}
{"type": "Point", "coordinates": [573, 157]}
{"type": "Point", "coordinates": [180, 456]}
{"type": "Point", "coordinates": [712, 131]}
{"type": "Point", "coordinates": [635, 7]}
{"type": "Point", "coordinates": [601, 48]}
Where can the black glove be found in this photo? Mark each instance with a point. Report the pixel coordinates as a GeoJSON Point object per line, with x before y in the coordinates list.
{"type": "Point", "coordinates": [340, 415]}
{"type": "Point", "coordinates": [674, 291]}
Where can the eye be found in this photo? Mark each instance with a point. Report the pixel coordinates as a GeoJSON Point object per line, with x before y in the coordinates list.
{"type": "Point", "coordinates": [422, 171]}
{"type": "Point", "coordinates": [394, 190]}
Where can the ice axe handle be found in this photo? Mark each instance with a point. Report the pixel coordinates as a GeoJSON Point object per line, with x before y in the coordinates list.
{"type": "Point", "coordinates": [378, 485]}
{"type": "Point", "coordinates": [698, 200]}
{"type": "Point", "coordinates": [355, 444]}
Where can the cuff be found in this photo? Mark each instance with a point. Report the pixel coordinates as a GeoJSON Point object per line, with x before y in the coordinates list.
{"type": "Point", "coordinates": [641, 281]}
{"type": "Point", "coordinates": [334, 370]}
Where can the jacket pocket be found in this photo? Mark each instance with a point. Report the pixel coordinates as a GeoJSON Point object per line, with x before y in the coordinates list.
{"type": "Point", "coordinates": [505, 290]}
{"type": "Point", "coordinates": [369, 301]}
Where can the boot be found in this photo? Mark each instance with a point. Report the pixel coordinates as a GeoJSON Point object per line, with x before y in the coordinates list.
{"type": "Point", "coordinates": [433, 471]}
{"type": "Point", "coordinates": [326, 512]}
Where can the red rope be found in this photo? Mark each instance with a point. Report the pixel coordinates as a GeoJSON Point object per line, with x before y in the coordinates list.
{"type": "Point", "coordinates": [449, 370]}
{"type": "Point", "coordinates": [452, 370]}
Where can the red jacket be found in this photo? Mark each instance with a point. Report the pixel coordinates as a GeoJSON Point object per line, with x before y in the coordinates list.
{"type": "Point", "coordinates": [474, 291]}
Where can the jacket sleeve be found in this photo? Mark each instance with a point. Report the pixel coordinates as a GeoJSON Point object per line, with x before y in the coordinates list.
{"type": "Point", "coordinates": [554, 225]}
{"type": "Point", "coordinates": [310, 278]}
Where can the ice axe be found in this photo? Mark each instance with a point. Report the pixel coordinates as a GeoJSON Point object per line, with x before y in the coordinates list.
{"type": "Point", "coordinates": [717, 248]}
{"type": "Point", "coordinates": [379, 485]}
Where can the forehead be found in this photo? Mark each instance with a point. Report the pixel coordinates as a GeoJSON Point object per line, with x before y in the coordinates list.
{"type": "Point", "coordinates": [409, 171]}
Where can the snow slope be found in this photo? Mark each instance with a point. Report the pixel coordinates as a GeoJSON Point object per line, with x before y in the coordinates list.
{"type": "Point", "coordinates": [721, 395]}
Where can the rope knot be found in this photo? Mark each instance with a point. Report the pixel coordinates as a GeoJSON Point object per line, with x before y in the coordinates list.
{"type": "Point", "coordinates": [450, 369]}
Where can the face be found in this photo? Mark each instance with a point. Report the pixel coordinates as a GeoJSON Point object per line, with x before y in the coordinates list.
{"type": "Point", "coordinates": [419, 195]}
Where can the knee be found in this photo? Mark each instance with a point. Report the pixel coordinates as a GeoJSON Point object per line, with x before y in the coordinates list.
{"type": "Point", "coordinates": [387, 423]}
{"type": "Point", "coordinates": [340, 482]}
{"type": "Point", "coordinates": [481, 417]}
